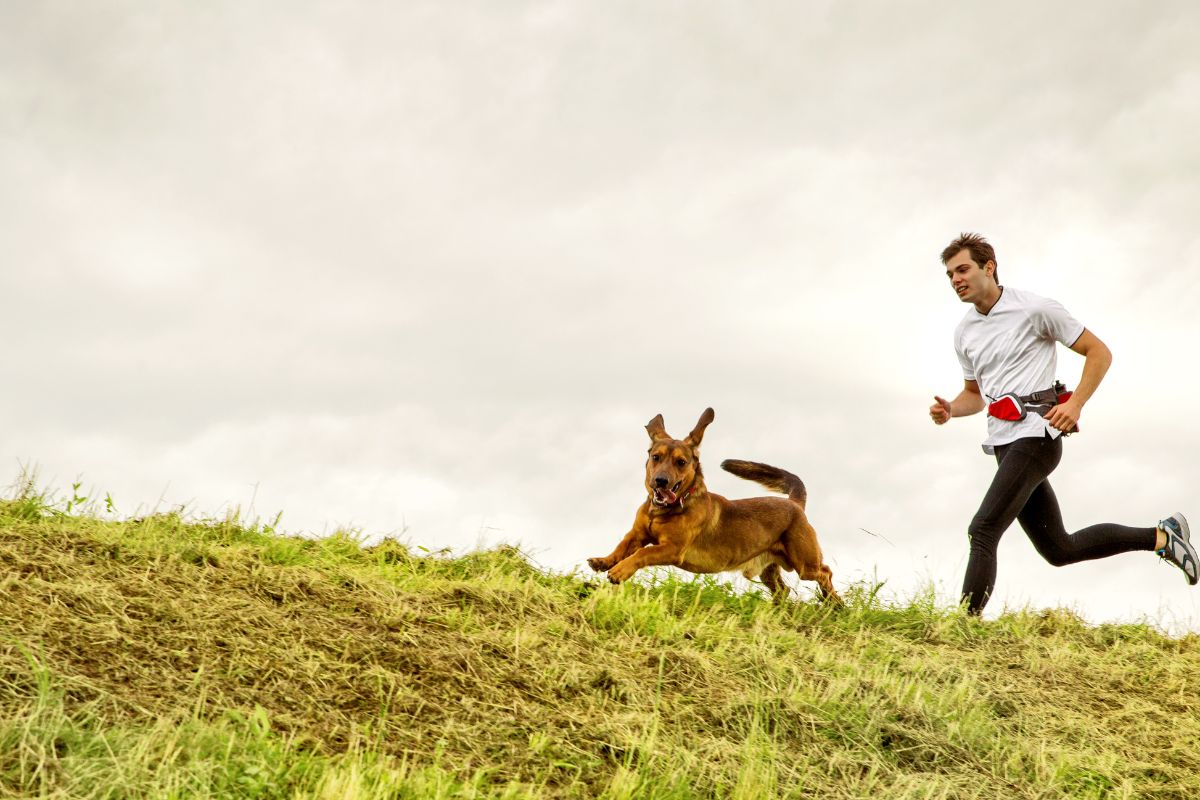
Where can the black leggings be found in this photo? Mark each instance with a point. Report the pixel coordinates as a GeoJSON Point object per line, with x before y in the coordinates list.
{"type": "Point", "coordinates": [1020, 490]}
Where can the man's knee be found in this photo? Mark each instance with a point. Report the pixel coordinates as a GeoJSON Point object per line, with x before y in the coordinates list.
{"type": "Point", "coordinates": [983, 533]}
{"type": "Point", "coordinates": [1056, 557]}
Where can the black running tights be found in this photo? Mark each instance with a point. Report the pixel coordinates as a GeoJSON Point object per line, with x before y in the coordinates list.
{"type": "Point", "coordinates": [1020, 490]}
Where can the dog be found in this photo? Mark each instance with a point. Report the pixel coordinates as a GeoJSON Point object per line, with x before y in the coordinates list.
{"type": "Point", "coordinates": [683, 525]}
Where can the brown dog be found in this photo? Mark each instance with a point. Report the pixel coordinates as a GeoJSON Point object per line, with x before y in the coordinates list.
{"type": "Point", "coordinates": [683, 525]}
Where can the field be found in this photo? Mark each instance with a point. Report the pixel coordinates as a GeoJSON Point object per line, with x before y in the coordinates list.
{"type": "Point", "coordinates": [169, 657]}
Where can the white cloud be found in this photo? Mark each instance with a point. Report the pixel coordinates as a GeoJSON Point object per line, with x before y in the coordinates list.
{"type": "Point", "coordinates": [434, 267]}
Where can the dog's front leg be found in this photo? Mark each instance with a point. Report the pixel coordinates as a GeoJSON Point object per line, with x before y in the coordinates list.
{"type": "Point", "coordinates": [656, 555]}
{"type": "Point", "coordinates": [632, 541]}
{"type": "Point", "coordinates": [636, 537]}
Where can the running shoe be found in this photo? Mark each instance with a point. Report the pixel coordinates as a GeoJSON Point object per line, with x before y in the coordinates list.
{"type": "Point", "coordinates": [1179, 550]}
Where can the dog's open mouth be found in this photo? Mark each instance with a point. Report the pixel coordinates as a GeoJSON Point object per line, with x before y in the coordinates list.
{"type": "Point", "coordinates": [666, 497]}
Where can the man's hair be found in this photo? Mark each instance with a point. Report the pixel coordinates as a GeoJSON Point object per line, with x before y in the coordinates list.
{"type": "Point", "coordinates": [981, 251]}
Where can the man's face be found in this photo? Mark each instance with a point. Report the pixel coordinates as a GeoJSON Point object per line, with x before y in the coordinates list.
{"type": "Point", "coordinates": [969, 281]}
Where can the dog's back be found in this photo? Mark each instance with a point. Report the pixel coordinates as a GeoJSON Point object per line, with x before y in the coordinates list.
{"type": "Point", "coordinates": [773, 478]}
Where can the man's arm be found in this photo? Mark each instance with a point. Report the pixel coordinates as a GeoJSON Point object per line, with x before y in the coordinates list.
{"type": "Point", "coordinates": [968, 402]}
{"type": "Point", "coordinates": [1096, 360]}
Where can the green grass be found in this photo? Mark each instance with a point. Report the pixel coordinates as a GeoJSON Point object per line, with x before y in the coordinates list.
{"type": "Point", "coordinates": [166, 657]}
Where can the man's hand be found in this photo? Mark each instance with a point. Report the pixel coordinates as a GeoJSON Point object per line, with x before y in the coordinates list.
{"type": "Point", "coordinates": [1065, 416]}
{"type": "Point", "coordinates": [940, 411]}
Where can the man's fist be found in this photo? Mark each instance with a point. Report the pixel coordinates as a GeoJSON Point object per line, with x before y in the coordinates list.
{"type": "Point", "coordinates": [1065, 416]}
{"type": "Point", "coordinates": [939, 412]}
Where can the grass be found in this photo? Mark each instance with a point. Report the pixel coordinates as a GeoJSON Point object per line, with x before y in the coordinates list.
{"type": "Point", "coordinates": [167, 657]}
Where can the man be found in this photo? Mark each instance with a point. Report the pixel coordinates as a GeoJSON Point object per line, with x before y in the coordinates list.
{"type": "Point", "coordinates": [1006, 345]}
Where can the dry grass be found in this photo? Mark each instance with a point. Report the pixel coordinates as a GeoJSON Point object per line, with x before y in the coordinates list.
{"type": "Point", "coordinates": [161, 657]}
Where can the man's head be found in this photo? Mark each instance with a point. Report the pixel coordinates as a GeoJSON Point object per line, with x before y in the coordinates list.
{"type": "Point", "coordinates": [971, 267]}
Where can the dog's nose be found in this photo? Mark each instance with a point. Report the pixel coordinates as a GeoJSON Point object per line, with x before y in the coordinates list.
{"type": "Point", "coordinates": [661, 483]}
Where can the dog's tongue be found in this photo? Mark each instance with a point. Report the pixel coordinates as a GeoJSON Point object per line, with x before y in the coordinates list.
{"type": "Point", "coordinates": [667, 496]}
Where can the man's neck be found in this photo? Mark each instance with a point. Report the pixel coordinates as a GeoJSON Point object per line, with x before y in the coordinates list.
{"type": "Point", "coordinates": [989, 301]}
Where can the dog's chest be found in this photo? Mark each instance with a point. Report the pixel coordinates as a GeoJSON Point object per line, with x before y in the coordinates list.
{"type": "Point", "coordinates": [697, 551]}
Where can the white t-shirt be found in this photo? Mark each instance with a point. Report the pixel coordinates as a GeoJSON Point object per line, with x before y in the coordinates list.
{"type": "Point", "coordinates": [1011, 349]}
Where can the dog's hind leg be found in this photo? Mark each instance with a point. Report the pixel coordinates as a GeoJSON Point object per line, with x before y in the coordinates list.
{"type": "Point", "coordinates": [800, 543]}
{"type": "Point", "coordinates": [772, 578]}
{"type": "Point", "coordinates": [823, 575]}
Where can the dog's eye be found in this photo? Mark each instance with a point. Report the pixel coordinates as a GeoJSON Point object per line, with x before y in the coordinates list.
{"type": "Point", "coordinates": [679, 462]}
{"type": "Point", "coordinates": [655, 458]}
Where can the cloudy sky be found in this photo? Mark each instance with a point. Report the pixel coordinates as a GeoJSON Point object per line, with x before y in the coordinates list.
{"type": "Point", "coordinates": [427, 268]}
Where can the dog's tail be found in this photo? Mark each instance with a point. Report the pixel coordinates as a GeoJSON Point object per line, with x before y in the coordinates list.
{"type": "Point", "coordinates": [774, 478]}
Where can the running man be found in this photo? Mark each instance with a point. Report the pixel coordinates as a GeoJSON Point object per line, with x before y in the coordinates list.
{"type": "Point", "coordinates": [1006, 345]}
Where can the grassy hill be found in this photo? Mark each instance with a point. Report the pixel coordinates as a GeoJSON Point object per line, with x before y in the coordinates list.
{"type": "Point", "coordinates": [161, 657]}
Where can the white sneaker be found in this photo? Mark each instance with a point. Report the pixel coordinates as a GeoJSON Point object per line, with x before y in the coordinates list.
{"type": "Point", "coordinates": [1179, 550]}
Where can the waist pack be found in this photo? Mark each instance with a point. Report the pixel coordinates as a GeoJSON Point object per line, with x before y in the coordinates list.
{"type": "Point", "coordinates": [1014, 408]}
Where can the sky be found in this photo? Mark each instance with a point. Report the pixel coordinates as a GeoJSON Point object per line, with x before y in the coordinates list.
{"type": "Point", "coordinates": [426, 269]}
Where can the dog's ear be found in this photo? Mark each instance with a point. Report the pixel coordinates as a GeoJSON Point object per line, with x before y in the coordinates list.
{"type": "Point", "coordinates": [697, 433]}
{"type": "Point", "coordinates": [657, 429]}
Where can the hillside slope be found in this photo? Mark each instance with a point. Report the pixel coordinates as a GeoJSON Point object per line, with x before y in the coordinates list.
{"type": "Point", "coordinates": [160, 657]}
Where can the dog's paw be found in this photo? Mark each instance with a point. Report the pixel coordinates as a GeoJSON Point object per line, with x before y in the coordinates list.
{"type": "Point", "coordinates": [599, 564]}
{"type": "Point", "coordinates": [620, 573]}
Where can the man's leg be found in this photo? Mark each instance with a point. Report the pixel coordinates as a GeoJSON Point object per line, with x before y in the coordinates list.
{"type": "Point", "coordinates": [1022, 467]}
{"type": "Point", "coordinates": [1042, 522]}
